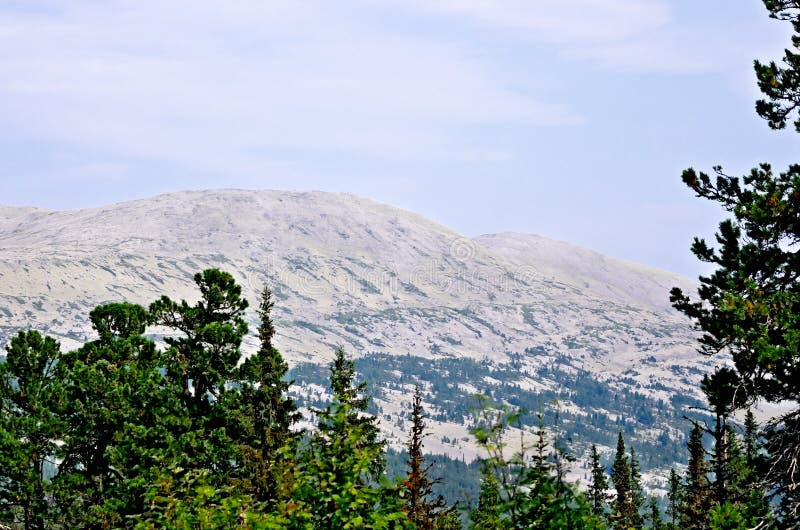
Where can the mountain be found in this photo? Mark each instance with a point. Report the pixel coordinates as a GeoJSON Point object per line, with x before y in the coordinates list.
{"type": "Point", "coordinates": [519, 316]}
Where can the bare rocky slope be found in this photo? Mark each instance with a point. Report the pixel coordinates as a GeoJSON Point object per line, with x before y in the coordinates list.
{"type": "Point", "coordinates": [378, 280]}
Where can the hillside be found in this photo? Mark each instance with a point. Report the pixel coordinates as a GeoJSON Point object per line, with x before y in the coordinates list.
{"type": "Point", "coordinates": [552, 319]}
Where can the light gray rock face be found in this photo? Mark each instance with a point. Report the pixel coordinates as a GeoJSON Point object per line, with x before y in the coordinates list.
{"type": "Point", "coordinates": [345, 270]}
{"type": "Point", "coordinates": [351, 271]}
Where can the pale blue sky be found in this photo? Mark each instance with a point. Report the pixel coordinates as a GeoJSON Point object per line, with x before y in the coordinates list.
{"type": "Point", "coordinates": [567, 119]}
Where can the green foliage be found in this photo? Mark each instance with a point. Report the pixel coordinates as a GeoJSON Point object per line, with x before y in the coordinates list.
{"type": "Point", "coordinates": [656, 523]}
{"type": "Point", "coordinates": [675, 498]}
{"type": "Point", "coordinates": [597, 492]}
{"type": "Point", "coordinates": [201, 362]}
{"type": "Point", "coordinates": [28, 427]}
{"type": "Point", "coordinates": [524, 489]}
{"type": "Point", "coordinates": [116, 411]}
{"type": "Point", "coordinates": [750, 305]}
{"type": "Point", "coordinates": [338, 471]}
{"type": "Point", "coordinates": [423, 509]}
{"type": "Point", "coordinates": [623, 512]}
{"type": "Point", "coordinates": [781, 83]}
{"type": "Point", "coordinates": [697, 493]}
{"type": "Point", "coordinates": [267, 415]}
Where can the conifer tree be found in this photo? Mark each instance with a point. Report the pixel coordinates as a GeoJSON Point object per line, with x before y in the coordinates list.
{"type": "Point", "coordinates": [117, 411]}
{"type": "Point", "coordinates": [697, 498]}
{"type": "Point", "coordinates": [267, 437]}
{"type": "Point", "coordinates": [675, 495]}
{"type": "Point", "coordinates": [749, 306]}
{"type": "Point", "coordinates": [597, 492]}
{"type": "Point", "coordinates": [638, 497]}
{"type": "Point", "coordinates": [426, 511]}
{"type": "Point", "coordinates": [29, 387]}
{"type": "Point", "coordinates": [525, 489]}
{"type": "Point", "coordinates": [656, 523]}
{"type": "Point", "coordinates": [337, 482]}
{"type": "Point", "coordinates": [622, 515]}
{"type": "Point", "coordinates": [201, 363]}
{"type": "Point", "coordinates": [488, 514]}
{"type": "Point", "coordinates": [752, 445]}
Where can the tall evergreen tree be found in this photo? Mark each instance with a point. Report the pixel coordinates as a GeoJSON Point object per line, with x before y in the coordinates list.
{"type": "Point", "coordinates": [697, 498]}
{"type": "Point", "coordinates": [344, 460]}
{"type": "Point", "coordinates": [750, 305]}
{"type": "Point", "coordinates": [426, 511]}
{"type": "Point", "coordinates": [270, 414]}
{"type": "Point", "coordinates": [675, 495]}
{"type": "Point", "coordinates": [622, 514]}
{"type": "Point", "coordinates": [29, 387]}
{"type": "Point", "coordinates": [638, 497]}
{"type": "Point", "coordinates": [488, 514]}
{"type": "Point", "coordinates": [117, 413]}
{"type": "Point", "coordinates": [201, 362]}
{"type": "Point", "coordinates": [656, 523]}
{"type": "Point", "coordinates": [597, 492]}
{"type": "Point", "coordinates": [722, 389]}
{"type": "Point", "coordinates": [752, 445]}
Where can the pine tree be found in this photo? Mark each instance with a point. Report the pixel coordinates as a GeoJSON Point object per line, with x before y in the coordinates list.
{"type": "Point", "coordinates": [697, 499]}
{"type": "Point", "coordinates": [749, 307]}
{"type": "Point", "coordinates": [622, 515]}
{"type": "Point", "coordinates": [29, 387]}
{"type": "Point", "coordinates": [425, 510]}
{"type": "Point", "coordinates": [117, 410]}
{"type": "Point", "coordinates": [597, 492]}
{"type": "Point", "coordinates": [201, 364]}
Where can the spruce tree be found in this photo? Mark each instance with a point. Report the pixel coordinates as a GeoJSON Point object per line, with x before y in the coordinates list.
{"type": "Point", "coordinates": [697, 498]}
{"type": "Point", "coordinates": [622, 514]}
{"type": "Point", "coordinates": [656, 523]}
{"type": "Point", "coordinates": [638, 497]}
{"type": "Point", "coordinates": [488, 514]}
{"type": "Point", "coordinates": [675, 496]}
{"type": "Point", "coordinates": [597, 491]}
{"type": "Point", "coordinates": [338, 475]}
{"type": "Point", "coordinates": [267, 437]}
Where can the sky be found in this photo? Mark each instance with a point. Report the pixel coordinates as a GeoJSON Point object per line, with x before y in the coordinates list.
{"type": "Point", "coordinates": [572, 120]}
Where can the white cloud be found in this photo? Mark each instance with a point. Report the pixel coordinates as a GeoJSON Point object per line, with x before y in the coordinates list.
{"type": "Point", "coordinates": [223, 84]}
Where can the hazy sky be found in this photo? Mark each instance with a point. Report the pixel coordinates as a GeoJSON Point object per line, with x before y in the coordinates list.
{"type": "Point", "coordinates": [567, 119]}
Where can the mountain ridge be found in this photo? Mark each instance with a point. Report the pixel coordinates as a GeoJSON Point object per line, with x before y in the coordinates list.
{"type": "Point", "coordinates": [377, 279]}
